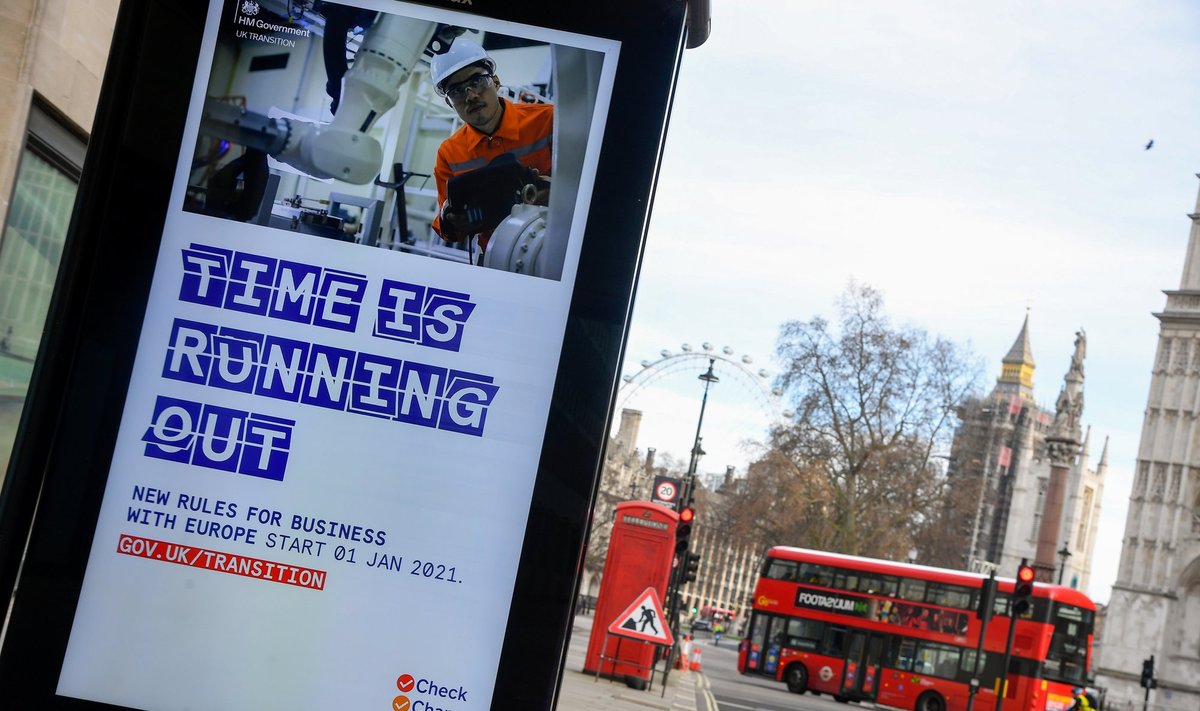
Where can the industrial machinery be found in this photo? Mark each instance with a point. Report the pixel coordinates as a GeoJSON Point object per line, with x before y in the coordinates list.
{"type": "Point", "coordinates": [375, 66]}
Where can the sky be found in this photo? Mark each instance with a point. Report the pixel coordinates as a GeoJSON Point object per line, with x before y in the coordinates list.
{"type": "Point", "coordinates": [970, 161]}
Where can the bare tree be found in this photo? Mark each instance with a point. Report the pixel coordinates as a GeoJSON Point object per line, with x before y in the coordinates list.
{"type": "Point", "coordinates": [854, 472]}
{"type": "Point", "coordinates": [944, 537]}
{"type": "Point", "coordinates": [776, 503]}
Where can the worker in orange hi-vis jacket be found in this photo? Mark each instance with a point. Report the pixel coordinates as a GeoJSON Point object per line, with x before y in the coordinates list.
{"type": "Point", "coordinates": [466, 76]}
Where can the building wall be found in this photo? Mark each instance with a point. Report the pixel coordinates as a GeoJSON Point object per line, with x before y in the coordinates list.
{"type": "Point", "coordinates": [1155, 606]}
{"type": "Point", "coordinates": [55, 50]}
{"type": "Point", "coordinates": [1002, 442]}
{"type": "Point", "coordinates": [726, 575]}
{"type": "Point", "coordinates": [58, 49]}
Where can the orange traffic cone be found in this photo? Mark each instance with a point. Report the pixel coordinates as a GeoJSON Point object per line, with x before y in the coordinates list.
{"type": "Point", "coordinates": [685, 652]}
{"type": "Point", "coordinates": [696, 659]}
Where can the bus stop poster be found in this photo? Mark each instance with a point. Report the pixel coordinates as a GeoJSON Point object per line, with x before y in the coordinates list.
{"type": "Point", "coordinates": [330, 439]}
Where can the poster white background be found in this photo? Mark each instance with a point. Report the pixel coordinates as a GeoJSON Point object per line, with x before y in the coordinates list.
{"type": "Point", "coordinates": [152, 634]}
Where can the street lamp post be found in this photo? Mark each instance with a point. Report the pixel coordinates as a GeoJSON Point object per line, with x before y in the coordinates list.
{"type": "Point", "coordinates": [690, 484]}
{"type": "Point", "coordinates": [1063, 555]}
{"type": "Point", "coordinates": [685, 501]}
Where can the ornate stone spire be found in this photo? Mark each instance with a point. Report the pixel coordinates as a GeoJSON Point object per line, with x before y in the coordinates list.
{"type": "Point", "coordinates": [1191, 265]}
{"type": "Point", "coordinates": [1016, 370]}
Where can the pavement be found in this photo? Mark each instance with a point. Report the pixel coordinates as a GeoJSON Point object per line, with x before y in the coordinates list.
{"type": "Point", "coordinates": [685, 691]}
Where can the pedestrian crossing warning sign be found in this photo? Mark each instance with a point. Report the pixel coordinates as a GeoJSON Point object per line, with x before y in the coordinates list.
{"type": "Point", "coordinates": [644, 620]}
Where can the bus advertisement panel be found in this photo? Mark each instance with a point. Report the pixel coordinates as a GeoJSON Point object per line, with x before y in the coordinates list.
{"type": "Point", "coordinates": [906, 635]}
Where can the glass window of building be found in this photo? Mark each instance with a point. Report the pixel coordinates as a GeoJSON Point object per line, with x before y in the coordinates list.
{"type": "Point", "coordinates": [31, 245]}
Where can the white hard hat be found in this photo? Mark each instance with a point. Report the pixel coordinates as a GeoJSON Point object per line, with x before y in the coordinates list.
{"type": "Point", "coordinates": [461, 54]}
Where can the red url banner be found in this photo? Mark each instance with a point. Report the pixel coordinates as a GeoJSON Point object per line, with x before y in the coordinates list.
{"type": "Point", "coordinates": [221, 562]}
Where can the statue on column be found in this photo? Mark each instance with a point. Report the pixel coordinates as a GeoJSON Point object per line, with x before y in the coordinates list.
{"type": "Point", "coordinates": [1068, 410]}
{"type": "Point", "coordinates": [1079, 354]}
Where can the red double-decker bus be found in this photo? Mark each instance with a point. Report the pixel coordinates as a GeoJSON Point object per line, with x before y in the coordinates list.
{"type": "Point", "coordinates": [905, 636]}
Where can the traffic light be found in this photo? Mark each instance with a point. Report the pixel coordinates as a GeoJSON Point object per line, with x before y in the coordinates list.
{"type": "Point", "coordinates": [987, 599]}
{"type": "Point", "coordinates": [1023, 592]}
{"type": "Point", "coordinates": [1148, 673]}
{"type": "Point", "coordinates": [683, 530]}
{"type": "Point", "coordinates": [691, 566]}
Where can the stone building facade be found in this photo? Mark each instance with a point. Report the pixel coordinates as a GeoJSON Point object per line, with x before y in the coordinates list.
{"type": "Point", "coordinates": [726, 575]}
{"type": "Point", "coordinates": [1000, 455]}
{"type": "Point", "coordinates": [1155, 605]}
{"type": "Point", "coordinates": [52, 58]}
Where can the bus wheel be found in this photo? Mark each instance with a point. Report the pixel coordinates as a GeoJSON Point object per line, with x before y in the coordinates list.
{"type": "Point", "coordinates": [931, 701]}
{"type": "Point", "coordinates": [796, 677]}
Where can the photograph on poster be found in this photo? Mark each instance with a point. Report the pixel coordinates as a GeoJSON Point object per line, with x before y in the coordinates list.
{"type": "Point", "coordinates": [394, 132]}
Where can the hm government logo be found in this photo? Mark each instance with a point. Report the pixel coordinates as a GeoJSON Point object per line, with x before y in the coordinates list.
{"type": "Point", "coordinates": [252, 27]}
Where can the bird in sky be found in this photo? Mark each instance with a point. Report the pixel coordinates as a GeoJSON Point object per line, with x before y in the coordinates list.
{"type": "Point", "coordinates": [1150, 144]}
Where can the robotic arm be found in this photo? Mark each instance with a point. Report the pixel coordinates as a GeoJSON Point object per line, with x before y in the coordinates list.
{"type": "Point", "coordinates": [342, 149]}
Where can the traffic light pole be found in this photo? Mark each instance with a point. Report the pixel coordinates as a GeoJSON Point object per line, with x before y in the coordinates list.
{"type": "Point", "coordinates": [1020, 601]}
{"type": "Point", "coordinates": [987, 597]}
{"type": "Point", "coordinates": [1012, 630]}
{"type": "Point", "coordinates": [675, 582]}
{"type": "Point", "coordinates": [1147, 680]}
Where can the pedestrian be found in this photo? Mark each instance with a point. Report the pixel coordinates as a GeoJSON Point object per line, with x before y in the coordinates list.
{"type": "Point", "coordinates": [1082, 702]}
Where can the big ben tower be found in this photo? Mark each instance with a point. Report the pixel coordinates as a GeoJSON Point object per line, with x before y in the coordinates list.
{"type": "Point", "coordinates": [1155, 604]}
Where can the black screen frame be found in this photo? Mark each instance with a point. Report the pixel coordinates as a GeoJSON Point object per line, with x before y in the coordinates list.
{"type": "Point", "coordinates": [52, 493]}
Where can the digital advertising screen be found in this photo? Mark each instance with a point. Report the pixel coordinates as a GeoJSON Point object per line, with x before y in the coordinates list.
{"type": "Point", "coordinates": [323, 462]}
{"type": "Point", "coordinates": [233, 538]}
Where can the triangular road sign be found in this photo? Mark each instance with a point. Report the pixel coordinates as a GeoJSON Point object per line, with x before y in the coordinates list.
{"type": "Point", "coordinates": [643, 620]}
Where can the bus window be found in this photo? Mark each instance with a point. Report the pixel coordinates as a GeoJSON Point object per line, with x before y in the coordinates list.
{"type": "Point", "coordinates": [968, 661]}
{"type": "Point", "coordinates": [835, 642]}
{"type": "Point", "coordinates": [923, 661]}
{"type": "Point", "coordinates": [816, 574]}
{"type": "Point", "coordinates": [1066, 659]}
{"type": "Point", "coordinates": [780, 570]}
{"type": "Point", "coordinates": [937, 660]}
{"type": "Point", "coordinates": [889, 586]}
{"type": "Point", "coordinates": [869, 584]}
{"type": "Point", "coordinates": [757, 638]}
{"type": "Point", "coordinates": [758, 627]}
{"type": "Point", "coordinates": [805, 634]}
{"type": "Point", "coordinates": [912, 590]}
{"type": "Point", "coordinates": [904, 651]}
{"type": "Point", "coordinates": [949, 596]}
{"type": "Point", "coordinates": [989, 670]}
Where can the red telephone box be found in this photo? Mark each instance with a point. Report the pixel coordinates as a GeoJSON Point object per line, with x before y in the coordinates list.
{"type": "Point", "coordinates": [640, 552]}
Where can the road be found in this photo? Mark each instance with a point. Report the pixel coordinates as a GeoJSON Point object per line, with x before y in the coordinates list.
{"type": "Point", "coordinates": [734, 692]}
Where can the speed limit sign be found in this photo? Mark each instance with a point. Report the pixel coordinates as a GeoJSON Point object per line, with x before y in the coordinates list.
{"type": "Point", "coordinates": [666, 491]}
